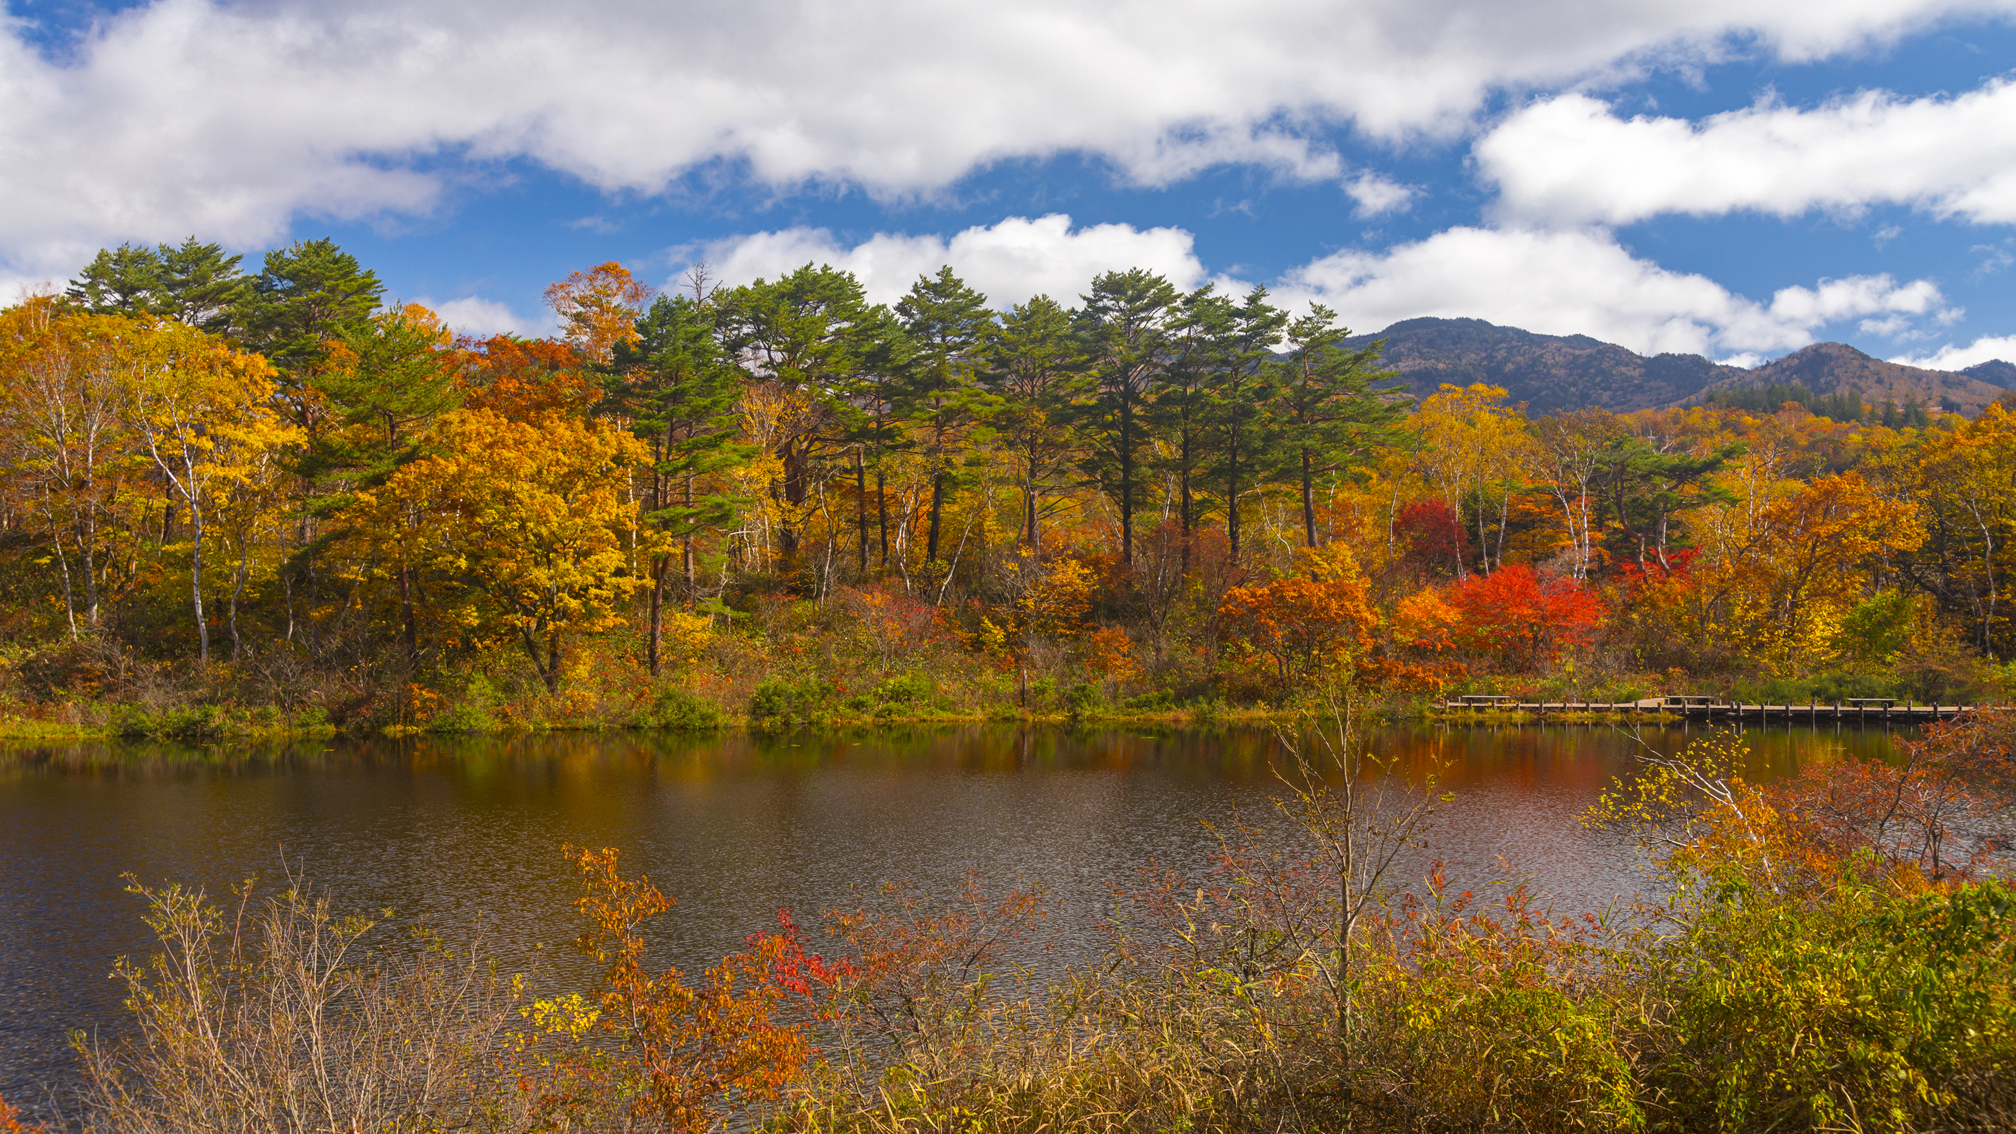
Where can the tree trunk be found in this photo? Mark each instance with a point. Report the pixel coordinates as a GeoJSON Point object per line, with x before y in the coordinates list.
{"type": "Point", "coordinates": [686, 545]}
{"type": "Point", "coordinates": [410, 629]}
{"type": "Point", "coordinates": [196, 577]}
{"type": "Point", "coordinates": [937, 507]}
{"type": "Point", "coordinates": [1029, 501]}
{"type": "Point", "coordinates": [861, 511]}
{"type": "Point", "coordinates": [882, 512]}
{"type": "Point", "coordinates": [238, 591]}
{"type": "Point", "coordinates": [1308, 499]}
{"type": "Point", "coordinates": [1232, 503]}
{"type": "Point", "coordinates": [1127, 481]}
{"type": "Point", "coordinates": [652, 647]}
{"type": "Point", "coordinates": [69, 601]}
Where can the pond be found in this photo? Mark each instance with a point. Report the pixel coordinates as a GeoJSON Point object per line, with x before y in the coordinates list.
{"type": "Point", "coordinates": [733, 827]}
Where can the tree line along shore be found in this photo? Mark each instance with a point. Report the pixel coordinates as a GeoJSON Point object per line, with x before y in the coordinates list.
{"type": "Point", "coordinates": [243, 502]}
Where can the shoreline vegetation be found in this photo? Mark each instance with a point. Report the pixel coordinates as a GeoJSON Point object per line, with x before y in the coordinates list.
{"type": "Point", "coordinates": [240, 504]}
{"type": "Point", "coordinates": [1833, 951]}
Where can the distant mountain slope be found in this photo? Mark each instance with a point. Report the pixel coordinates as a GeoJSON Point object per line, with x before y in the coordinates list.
{"type": "Point", "coordinates": [1547, 372]}
{"type": "Point", "coordinates": [1995, 372]}
{"type": "Point", "coordinates": [1551, 372]}
{"type": "Point", "coordinates": [1827, 368]}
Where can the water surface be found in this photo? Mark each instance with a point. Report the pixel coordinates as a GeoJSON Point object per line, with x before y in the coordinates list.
{"type": "Point", "coordinates": [734, 827]}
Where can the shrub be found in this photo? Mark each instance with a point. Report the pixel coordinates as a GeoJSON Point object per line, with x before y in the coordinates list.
{"type": "Point", "coordinates": [1858, 1010]}
{"type": "Point", "coordinates": [1082, 700]}
{"type": "Point", "coordinates": [679, 710]}
{"type": "Point", "coordinates": [193, 725]}
{"type": "Point", "coordinates": [780, 705]}
{"type": "Point", "coordinates": [475, 710]}
{"type": "Point", "coordinates": [252, 1017]}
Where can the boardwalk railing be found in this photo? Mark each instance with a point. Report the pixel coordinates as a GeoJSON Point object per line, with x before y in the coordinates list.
{"type": "Point", "coordinates": [1856, 711]}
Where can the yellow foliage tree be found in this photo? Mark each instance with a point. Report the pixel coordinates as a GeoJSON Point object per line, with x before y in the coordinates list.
{"type": "Point", "coordinates": [205, 415]}
{"type": "Point", "coordinates": [1473, 444]}
{"type": "Point", "coordinates": [1965, 484]}
{"type": "Point", "coordinates": [64, 448]}
{"type": "Point", "coordinates": [1806, 562]}
{"type": "Point", "coordinates": [533, 519]}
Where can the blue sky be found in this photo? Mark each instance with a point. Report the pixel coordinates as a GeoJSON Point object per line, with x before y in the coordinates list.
{"type": "Point", "coordinates": [1737, 179]}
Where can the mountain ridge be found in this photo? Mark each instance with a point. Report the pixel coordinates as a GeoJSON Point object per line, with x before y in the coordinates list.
{"type": "Point", "coordinates": [1557, 372]}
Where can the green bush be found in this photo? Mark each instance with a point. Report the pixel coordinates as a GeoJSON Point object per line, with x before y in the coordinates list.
{"type": "Point", "coordinates": [780, 705]}
{"type": "Point", "coordinates": [1819, 689]}
{"type": "Point", "coordinates": [1860, 1010]}
{"type": "Point", "coordinates": [474, 711]}
{"type": "Point", "coordinates": [195, 724]}
{"type": "Point", "coordinates": [1618, 692]}
{"type": "Point", "coordinates": [679, 710]}
{"type": "Point", "coordinates": [908, 689]}
{"type": "Point", "coordinates": [1150, 702]}
{"type": "Point", "coordinates": [1082, 700]}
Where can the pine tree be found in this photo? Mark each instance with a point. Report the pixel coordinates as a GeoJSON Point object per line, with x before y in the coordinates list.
{"type": "Point", "coordinates": [1331, 414]}
{"type": "Point", "coordinates": [679, 390]}
{"type": "Point", "coordinates": [1030, 363]}
{"type": "Point", "coordinates": [813, 333]}
{"type": "Point", "coordinates": [948, 325]}
{"type": "Point", "coordinates": [1180, 412]}
{"type": "Point", "coordinates": [307, 294]}
{"type": "Point", "coordinates": [1240, 354]}
{"type": "Point", "coordinates": [391, 378]}
{"type": "Point", "coordinates": [201, 286]}
{"type": "Point", "coordinates": [1124, 328]}
{"type": "Point", "coordinates": [118, 281]}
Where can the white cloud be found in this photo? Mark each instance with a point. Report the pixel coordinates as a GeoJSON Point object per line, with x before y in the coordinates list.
{"type": "Point", "coordinates": [1961, 357]}
{"type": "Point", "coordinates": [1377, 195]}
{"type": "Point", "coordinates": [474, 315]}
{"type": "Point", "coordinates": [1572, 160]}
{"type": "Point", "coordinates": [1581, 282]}
{"type": "Point", "coordinates": [1560, 283]}
{"type": "Point", "coordinates": [229, 120]}
{"type": "Point", "coordinates": [1009, 261]}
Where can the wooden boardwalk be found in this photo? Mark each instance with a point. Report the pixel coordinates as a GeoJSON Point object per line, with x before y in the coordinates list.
{"type": "Point", "coordinates": [1873, 712]}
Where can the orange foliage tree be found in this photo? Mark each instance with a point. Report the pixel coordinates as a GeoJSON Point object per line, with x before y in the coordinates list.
{"type": "Point", "coordinates": [598, 308]}
{"type": "Point", "coordinates": [1303, 623]}
{"type": "Point", "coordinates": [1522, 618]}
{"type": "Point", "coordinates": [1943, 811]}
{"type": "Point", "coordinates": [526, 379]}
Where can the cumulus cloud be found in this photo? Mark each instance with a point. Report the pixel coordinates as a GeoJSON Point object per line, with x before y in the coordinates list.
{"type": "Point", "coordinates": [1582, 282]}
{"type": "Point", "coordinates": [1951, 357]}
{"type": "Point", "coordinates": [1377, 195]}
{"type": "Point", "coordinates": [229, 120]}
{"type": "Point", "coordinates": [474, 315]}
{"type": "Point", "coordinates": [1009, 261]}
{"type": "Point", "coordinates": [1561, 283]}
{"type": "Point", "coordinates": [1571, 160]}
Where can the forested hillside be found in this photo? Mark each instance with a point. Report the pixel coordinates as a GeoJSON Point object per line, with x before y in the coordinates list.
{"type": "Point", "coordinates": [225, 493]}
